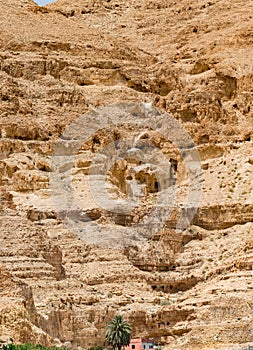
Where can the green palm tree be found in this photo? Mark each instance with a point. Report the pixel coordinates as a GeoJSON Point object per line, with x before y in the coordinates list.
{"type": "Point", "coordinates": [118, 333]}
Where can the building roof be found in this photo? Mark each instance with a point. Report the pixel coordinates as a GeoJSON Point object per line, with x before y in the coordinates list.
{"type": "Point", "coordinates": [143, 340]}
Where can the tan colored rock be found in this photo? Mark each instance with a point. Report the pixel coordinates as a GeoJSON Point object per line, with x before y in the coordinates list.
{"type": "Point", "coordinates": [190, 289]}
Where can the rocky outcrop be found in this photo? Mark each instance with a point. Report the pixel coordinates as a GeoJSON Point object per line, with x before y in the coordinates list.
{"type": "Point", "coordinates": [71, 263]}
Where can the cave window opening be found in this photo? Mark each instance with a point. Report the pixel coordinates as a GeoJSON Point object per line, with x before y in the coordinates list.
{"type": "Point", "coordinates": [96, 140]}
{"type": "Point", "coordinates": [157, 186]}
{"type": "Point", "coordinates": [174, 164]}
{"type": "Point", "coordinates": [133, 346]}
{"type": "Point", "coordinates": [116, 136]}
{"type": "Point", "coordinates": [161, 325]}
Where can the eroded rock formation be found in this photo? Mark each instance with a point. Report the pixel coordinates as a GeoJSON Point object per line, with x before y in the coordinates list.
{"type": "Point", "coordinates": [189, 289]}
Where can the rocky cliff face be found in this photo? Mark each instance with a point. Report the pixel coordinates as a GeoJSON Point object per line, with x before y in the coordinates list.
{"type": "Point", "coordinates": [190, 288]}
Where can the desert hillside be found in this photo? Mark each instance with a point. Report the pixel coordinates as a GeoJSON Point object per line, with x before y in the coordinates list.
{"type": "Point", "coordinates": [106, 100]}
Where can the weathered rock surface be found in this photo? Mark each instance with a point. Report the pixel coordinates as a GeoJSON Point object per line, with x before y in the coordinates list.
{"type": "Point", "coordinates": [191, 289]}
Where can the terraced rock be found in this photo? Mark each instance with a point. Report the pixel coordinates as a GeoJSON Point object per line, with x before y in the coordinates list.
{"type": "Point", "coordinates": [67, 268]}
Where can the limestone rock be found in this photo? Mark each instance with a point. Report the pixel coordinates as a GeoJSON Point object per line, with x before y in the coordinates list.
{"type": "Point", "coordinates": [188, 288]}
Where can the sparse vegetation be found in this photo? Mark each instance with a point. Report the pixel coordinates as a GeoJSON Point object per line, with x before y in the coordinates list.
{"type": "Point", "coordinates": [96, 348]}
{"type": "Point", "coordinates": [28, 346]}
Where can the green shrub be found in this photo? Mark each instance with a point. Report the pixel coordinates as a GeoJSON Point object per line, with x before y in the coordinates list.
{"type": "Point", "coordinates": [96, 348]}
{"type": "Point", "coordinates": [29, 346]}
